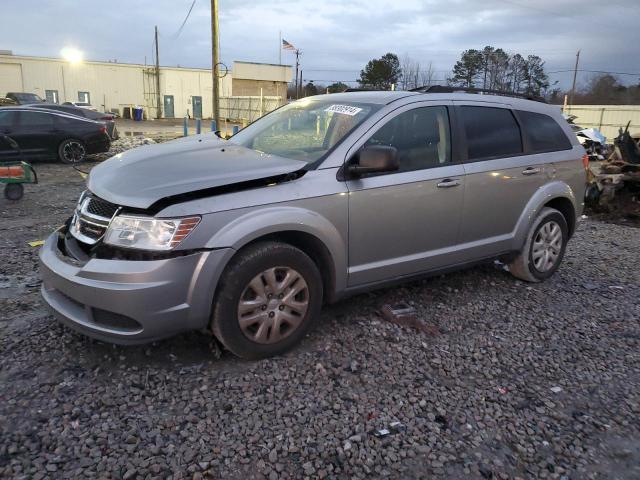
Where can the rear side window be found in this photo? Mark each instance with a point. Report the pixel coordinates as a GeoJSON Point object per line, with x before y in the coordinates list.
{"type": "Point", "coordinates": [29, 119]}
{"type": "Point", "coordinates": [491, 132]}
{"type": "Point", "coordinates": [543, 132]}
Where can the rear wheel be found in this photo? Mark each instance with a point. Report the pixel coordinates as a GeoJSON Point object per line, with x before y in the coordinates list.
{"type": "Point", "coordinates": [543, 249]}
{"type": "Point", "coordinates": [267, 300]}
{"type": "Point", "coordinates": [71, 151]}
{"type": "Point", "coordinates": [13, 191]}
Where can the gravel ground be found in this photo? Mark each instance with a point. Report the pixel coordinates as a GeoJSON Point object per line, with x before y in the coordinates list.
{"type": "Point", "coordinates": [522, 381]}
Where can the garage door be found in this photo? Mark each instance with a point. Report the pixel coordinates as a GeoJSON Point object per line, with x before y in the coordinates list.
{"type": "Point", "coordinates": [10, 78]}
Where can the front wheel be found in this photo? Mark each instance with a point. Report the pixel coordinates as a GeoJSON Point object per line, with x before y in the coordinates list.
{"type": "Point", "coordinates": [543, 249]}
{"type": "Point", "coordinates": [267, 300]}
{"type": "Point", "coordinates": [71, 151]}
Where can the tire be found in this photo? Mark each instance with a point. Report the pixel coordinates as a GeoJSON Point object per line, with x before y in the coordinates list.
{"type": "Point", "coordinates": [268, 278]}
{"type": "Point", "coordinates": [13, 191]}
{"type": "Point", "coordinates": [72, 151]}
{"type": "Point", "coordinates": [543, 249]}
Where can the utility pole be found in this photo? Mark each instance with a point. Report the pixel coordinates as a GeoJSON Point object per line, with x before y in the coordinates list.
{"type": "Point", "coordinates": [297, 66]}
{"type": "Point", "coordinates": [301, 85]}
{"type": "Point", "coordinates": [575, 73]}
{"type": "Point", "coordinates": [158, 104]}
{"type": "Point", "coordinates": [215, 62]}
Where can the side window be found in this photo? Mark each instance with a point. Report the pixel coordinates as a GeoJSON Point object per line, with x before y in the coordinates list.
{"type": "Point", "coordinates": [28, 119]}
{"type": "Point", "coordinates": [421, 136]}
{"type": "Point", "coordinates": [491, 132]}
{"type": "Point", "coordinates": [7, 119]}
{"type": "Point", "coordinates": [543, 132]}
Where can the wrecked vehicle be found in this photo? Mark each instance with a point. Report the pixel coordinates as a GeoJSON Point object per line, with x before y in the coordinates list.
{"type": "Point", "coordinates": [325, 197]}
{"type": "Point", "coordinates": [592, 139]}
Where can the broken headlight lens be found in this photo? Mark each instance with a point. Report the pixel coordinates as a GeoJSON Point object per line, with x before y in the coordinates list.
{"type": "Point", "coordinates": [147, 233]}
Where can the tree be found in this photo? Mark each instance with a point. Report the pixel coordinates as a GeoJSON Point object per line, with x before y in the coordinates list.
{"type": "Point", "coordinates": [337, 87]}
{"type": "Point", "coordinates": [536, 79]}
{"type": "Point", "coordinates": [494, 69]}
{"type": "Point", "coordinates": [310, 89]}
{"type": "Point", "coordinates": [381, 73]}
{"type": "Point", "coordinates": [467, 69]}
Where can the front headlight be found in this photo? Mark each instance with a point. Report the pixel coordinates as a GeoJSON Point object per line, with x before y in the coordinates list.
{"type": "Point", "coordinates": [147, 233]}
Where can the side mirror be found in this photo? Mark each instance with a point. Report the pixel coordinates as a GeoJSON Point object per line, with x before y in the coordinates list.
{"type": "Point", "coordinates": [374, 159]}
{"type": "Point", "coordinates": [12, 143]}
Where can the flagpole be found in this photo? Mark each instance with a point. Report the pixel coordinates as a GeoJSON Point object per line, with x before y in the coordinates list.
{"type": "Point", "coordinates": [280, 49]}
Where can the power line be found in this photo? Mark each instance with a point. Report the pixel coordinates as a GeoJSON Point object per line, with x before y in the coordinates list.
{"type": "Point", "coordinates": [596, 71]}
{"type": "Point", "coordinates": [177, 34]}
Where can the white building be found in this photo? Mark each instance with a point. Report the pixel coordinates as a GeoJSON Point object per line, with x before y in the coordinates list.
{"type": "Point", "coordinates": [109, 86]}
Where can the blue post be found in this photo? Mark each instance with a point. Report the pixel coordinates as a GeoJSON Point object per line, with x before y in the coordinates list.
{"type": "Point", "coordinates": [213, 126]}
{"type": "Point", "coordinates": [198, 126]}
{"type": "Point", "coordinates": [236, 129]}
{"type": "Point", "coordinates": [185, 127]}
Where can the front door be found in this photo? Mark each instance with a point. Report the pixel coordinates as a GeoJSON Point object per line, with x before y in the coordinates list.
{"type": "Point", "coordinates": [407, 221]}
{"type": "Point", "coordinates": [197, 107]}
{"type": "Point", "coordinates": [168, 106]}
{"type": "Point", "coordinates": [8, 126]}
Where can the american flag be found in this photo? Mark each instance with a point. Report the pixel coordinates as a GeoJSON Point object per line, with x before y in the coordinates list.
{"type": "Point", "coordinates": [287, 46]}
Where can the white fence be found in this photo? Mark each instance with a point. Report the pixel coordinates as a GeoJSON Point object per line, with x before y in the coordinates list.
{"type": "Point", "coordinates": [238, 109]}
{"type": "Point", "coordinates": [607, 118]}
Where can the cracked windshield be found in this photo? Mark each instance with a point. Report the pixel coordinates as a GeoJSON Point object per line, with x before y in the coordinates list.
{"type": "Point", "coordinates": [304, 130]}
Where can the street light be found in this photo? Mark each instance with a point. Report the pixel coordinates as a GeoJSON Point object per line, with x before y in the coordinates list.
{"type": "Point", "coordinates": [71, 55]}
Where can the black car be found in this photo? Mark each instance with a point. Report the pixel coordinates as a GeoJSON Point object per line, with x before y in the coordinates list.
{"type": "Point", "coordinates": [105, 118]}
{"type": "Point", "coordinates": [46, 135]}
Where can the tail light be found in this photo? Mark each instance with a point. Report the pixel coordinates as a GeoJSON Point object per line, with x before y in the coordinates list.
{"type": "Point", "coordinates": [108, 118]}
{"type": "Point", "coordinates": [103, 129]}
{"type": "Point", "coordinates": [585, 161]}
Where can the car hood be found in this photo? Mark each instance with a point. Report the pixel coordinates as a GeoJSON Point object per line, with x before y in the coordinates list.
{"type": "Point", "coordinates": [140, 177]}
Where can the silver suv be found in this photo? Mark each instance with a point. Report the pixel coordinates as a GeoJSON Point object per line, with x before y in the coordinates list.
{"type": "Point", "coordinates": [322, 198]}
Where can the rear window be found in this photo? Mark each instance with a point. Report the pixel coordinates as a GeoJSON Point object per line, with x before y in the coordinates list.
{"type": "Point", "coordinates": [491, 132]}
{"type": "Point", "coordinates": [543, 132]}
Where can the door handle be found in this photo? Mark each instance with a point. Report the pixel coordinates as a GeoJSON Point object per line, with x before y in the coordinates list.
{"type": "Point", "coordinates": [448, 183]}
{"type": "Point", "coordinates": [531, 171]}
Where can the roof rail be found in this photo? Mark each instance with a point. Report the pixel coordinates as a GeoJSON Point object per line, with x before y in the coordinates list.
{"type": "Point", "coordinates": [355, 89]}
{"type": "Point", "coordinates": [481, 91]}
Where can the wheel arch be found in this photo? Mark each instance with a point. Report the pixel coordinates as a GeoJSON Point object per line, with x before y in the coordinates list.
{"type": "Point", "coordinates": [309, 231]}
{"type": "Point", "coordinates": [556, 195]}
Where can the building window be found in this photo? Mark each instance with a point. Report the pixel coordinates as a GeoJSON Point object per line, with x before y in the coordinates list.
{"type": "Point", "coordinates": [83, 97]}
{"type": "Point", "coordinates": [51, 96]}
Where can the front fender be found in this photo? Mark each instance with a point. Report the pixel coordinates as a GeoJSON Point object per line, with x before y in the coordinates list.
{"type": "Point", "coordinates": [543, 195]}
{"type": "Point", "coordinates": [258, 223]}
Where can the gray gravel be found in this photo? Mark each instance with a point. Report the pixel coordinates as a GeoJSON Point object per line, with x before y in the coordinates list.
{"type": "Point", "coordinates": [523, 381]}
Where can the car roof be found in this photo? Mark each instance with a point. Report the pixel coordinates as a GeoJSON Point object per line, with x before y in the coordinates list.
{"type": "Point", "coordinates": [33, 108]}
{"type": "Point", "coordinates": [383, 97]}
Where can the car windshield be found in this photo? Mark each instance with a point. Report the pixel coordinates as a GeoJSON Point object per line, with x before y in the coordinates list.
{"type": "Point", "coordinates": [304, 130]}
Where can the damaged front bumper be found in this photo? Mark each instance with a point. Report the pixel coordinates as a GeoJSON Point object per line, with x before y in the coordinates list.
{"type": "Point", "coordinates": [130, 301]}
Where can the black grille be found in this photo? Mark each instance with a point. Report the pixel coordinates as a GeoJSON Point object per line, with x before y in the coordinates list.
{"type": "Point", "coordinates": [101, 208]}
{"type": "Point", "coordinates": [91, 231]}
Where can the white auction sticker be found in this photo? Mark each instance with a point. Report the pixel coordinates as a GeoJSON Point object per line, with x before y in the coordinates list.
{"type": "Point", "coordinates": [344, 109]}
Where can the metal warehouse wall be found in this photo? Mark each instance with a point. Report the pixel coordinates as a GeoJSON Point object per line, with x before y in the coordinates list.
{"type": "Point", "coordinates": [607, 118]}
{"type": "Point", "coordinates": [117, 85]}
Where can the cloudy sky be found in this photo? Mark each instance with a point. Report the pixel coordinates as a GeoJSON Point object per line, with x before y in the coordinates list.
{"type": "Point", "coordinates": [336, 38]}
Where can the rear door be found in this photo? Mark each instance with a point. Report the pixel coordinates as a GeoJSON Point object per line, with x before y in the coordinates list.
{"type": "Point", "coordinates": [405, 222]}
{"type": "Point", "coordinates": [37, 134]}
{"type": "Point", "coordinates": [500, 178]}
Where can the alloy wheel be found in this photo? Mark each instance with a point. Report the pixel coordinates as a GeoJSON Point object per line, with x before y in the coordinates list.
{"type": "Point", "coordinates": [73, 151]}
{"type": "Point", "coordinates": [546, 246]}
{"type": "Point", "coordinates": [273, 305]}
